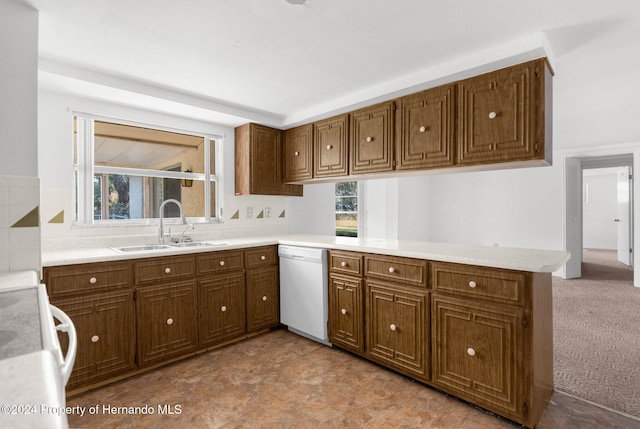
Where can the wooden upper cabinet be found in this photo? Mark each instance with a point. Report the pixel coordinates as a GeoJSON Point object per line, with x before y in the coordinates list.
{"type": "Point", "coordinates": [371, 139]}
{"type": "Point", "coordinates": [330, 143]}
{"type": "Point", "coordinates": [502, 115]}
{"type": "Point", "coordinates": [258, 152]}
{"type": "Point", "coordinates": [425, 129]}
{"type": "Point", "coordinates": [298, 153]}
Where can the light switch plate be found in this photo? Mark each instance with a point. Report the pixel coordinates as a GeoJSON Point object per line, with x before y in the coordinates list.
{"type": "Point", "coordinates": [249, 212]}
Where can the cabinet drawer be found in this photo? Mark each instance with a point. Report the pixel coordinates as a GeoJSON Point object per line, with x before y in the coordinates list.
{"type": "Point", "coordinates": [216, 262]}
{"type": "Point", "coordinates": [477, 282]}
{"type": "Point", "coordinates": [86, 278]}
{"type": "Point", "coordinates": [261, 257]}
{"type": "Point", "coordinates": [345, 262]}
{"type": "Point", "coordinates": [399, 270]}
{"type": "Point", "coordinates": [162, 269]}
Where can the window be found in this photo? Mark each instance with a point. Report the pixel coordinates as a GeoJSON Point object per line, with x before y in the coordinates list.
{"type": "Point", "coordinates": [347, 209]}
{"type": "Point", "coordinates": [123, 172]}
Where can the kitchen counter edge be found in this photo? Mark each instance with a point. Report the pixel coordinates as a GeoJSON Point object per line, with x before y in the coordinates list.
{"type": "Point", "coordinates": [520, 259]}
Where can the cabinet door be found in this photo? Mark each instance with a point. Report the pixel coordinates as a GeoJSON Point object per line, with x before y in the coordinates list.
{"type": "Point", "coordinates": [298, 153]}
{"type": "Point", "coordinates": [398, 328]}
{"type": "Point", "coordinates": [265, 160]}
{"type": "Point", "coordinates": [330, 140]}
{"type": "Point", "coordinates": [167, 321]}
{"type": "Point", "coordinates": [221, 308]}
{"type": "Point", "coordinates": [106, 335]}
{"type": "Point", "coordinates": [477, 353]}
{"type": "Point", "coordinates": [371, 142]}
{"type": "Point", "coordinates": [262, 298]}
{"type": "Point", "coordinates": [425, 136]}
{"type": "Point", "coordinates": [346, 317]}
{"type": "Point", "coordinates": [258, 162]}
{"type": "Point", "coordinates": [498, 117]}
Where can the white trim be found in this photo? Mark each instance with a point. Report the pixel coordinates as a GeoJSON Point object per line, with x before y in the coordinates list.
{"type": "Point", "coordinates": [86, 170]}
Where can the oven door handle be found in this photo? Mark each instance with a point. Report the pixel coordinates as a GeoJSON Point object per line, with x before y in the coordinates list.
{"type": "Point", "coordinates": [66, 325]}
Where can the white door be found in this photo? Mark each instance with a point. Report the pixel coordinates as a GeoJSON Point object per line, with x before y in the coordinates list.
{"type": "Point", "coordinates": [624, 215]}
{"type": "Point", "coordinates": [573, 217]}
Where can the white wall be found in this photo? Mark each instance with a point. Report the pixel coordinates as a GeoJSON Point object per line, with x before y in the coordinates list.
{"type": "Point", "coordinates": [314, 213]}
{"type": "Point", "coordinates": [19, 187]}
{"type": "Point", "coordinates": [18, 89]}
{"type": "Point", "coordinates": [599, 208]}
{"type": "Point", "coordinates": [55, 127]}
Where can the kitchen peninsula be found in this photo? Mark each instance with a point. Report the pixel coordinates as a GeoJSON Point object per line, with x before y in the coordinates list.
{"type": "Point", "coordinates": [473, 321]}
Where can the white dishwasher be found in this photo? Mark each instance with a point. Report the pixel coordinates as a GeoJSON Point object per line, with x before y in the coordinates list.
{"type": "Point", "coordinates": [303, 291]}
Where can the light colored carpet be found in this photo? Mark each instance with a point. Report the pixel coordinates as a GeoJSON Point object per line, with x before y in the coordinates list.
{"type": "Point", "coordinates": [596, 333]}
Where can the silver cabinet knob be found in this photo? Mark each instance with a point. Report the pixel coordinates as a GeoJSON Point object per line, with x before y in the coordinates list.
{"type": "Point", "coordinates": [222, 263]}
{"type": "Point", "coordinates": [93, 280]}
{"type": "Point", "coordinates": [471, 352]}
{"type": "Point", "coordinates": [369, 139]}
{"type": "Point", "coordinates": [343, 264]}
{"type": "Point", "coordinates": [95, 339]}
{"type": "Point", "coordinates": [343, 311]}
{"type": "Point", "coordinates": [223, 308]}
{"type": "Point", "coordinates": [329, 147]}
{"type": "Point", "coordinates": [392, 270]}
{"type": "Point", "coordinates": [167, 270]}
{"type": "Point", "coordinates": [393, 327]}
{"type": "Point", "coordinates": [169, 321]}
{"type": "Point", "coordinates": [296, 153]}
{"type": "Point", "coordinates": [472, 284]}
{"type": "Point", "coordinates": [492, 115]}
{"type": "Point", "coordinates": [264, 297]}
{"type": "Point", "coordinates": [263, 258]}
{"type": "Point", "coordinates": [423, 129]}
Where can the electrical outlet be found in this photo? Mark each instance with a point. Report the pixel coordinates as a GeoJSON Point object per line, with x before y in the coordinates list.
{"type": "Point", "coordinates": [267, 212]}
{"type": "Point", "coordinates": [249, 212]}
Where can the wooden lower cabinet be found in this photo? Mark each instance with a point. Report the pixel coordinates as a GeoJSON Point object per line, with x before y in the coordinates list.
{"type": "Point", "coordinates": [167, 321]}
{"type": "Point", "coordinates": [478, 354]}
{"type": "Point", "coordinates": [262, 298]}
{"type": "Point", "coordinates": [397, 321]}
{"type": "Point", "coordinates": [346, 312]}
{"type": "Point", "coordinates": [106, 336]}
{"type": "Point", "coordinates": [221, 308]}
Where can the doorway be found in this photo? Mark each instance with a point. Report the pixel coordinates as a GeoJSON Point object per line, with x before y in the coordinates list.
{"type": "Point", "coordinates": [617, 220]}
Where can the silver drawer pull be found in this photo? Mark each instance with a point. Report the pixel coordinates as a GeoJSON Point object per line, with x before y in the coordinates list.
{"type": "Point", "coordinates": [392, 270]}
{"type": "Point", "coordinates": [296, 153]}
{"type": "Point", "coordinates": [167, 270]}
{"type": "Point", "coordinates": [95, 339]}
{"type": "Point", "coordinates": [264, 298]}
{"type": "Point", "coordinates": [393, 327]}
{"type": "Point", "coordinates": [222, 263]}
{"type": "Point", "coordinates": [492, 115]}
{"type": "Point", "coordinates": [472, 284]}
{"type": "Point", "coordinates": [93, 280]}
{"type": "Point", "coordinates": [169, 321]}
{"type": "Point", "coordinates": [423, 129]}
{"type": "Point", "coordinates": [223, 308]}
{"type": "Point", "coordinates": [369, 139]}
{"type": "Point", "coordinates": [263, 258]}
{"type": "Point", "coordinates": [343, 264]}
{"type": "Point", "coordinates": [471, 352]}
{"type": "Point", "coordinates": [343, 311]}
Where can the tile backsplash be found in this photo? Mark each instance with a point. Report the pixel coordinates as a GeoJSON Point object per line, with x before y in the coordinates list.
{"type": "Point", "coordinates": [19, 223]}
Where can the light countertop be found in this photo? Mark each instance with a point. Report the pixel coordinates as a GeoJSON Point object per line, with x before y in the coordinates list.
{"type": "Point", "coordinates": [31, 394]}
{"type": "Point", "coordinates": [532, 260]}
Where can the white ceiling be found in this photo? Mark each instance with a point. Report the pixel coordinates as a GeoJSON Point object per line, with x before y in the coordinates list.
{"type": "Point", "coordinates": [230, 61]}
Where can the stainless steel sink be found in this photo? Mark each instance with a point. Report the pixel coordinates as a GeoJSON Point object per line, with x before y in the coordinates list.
{"type": "Point", "coordinates": [196, 244]}
{"type": "Point", "coordinates": [142, 248]}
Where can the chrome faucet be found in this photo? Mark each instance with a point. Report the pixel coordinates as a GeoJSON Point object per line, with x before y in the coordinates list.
{"type": "Point", "coordinates": [161, 210]}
